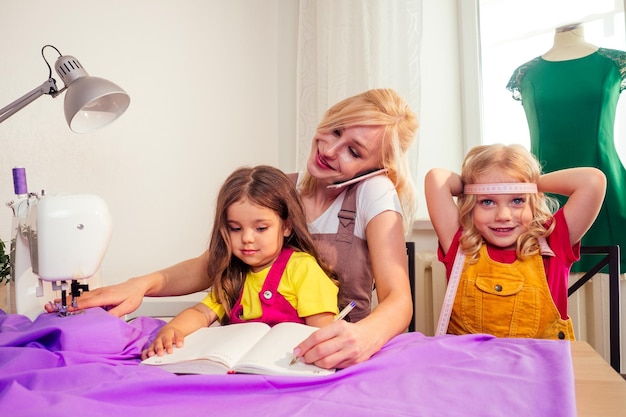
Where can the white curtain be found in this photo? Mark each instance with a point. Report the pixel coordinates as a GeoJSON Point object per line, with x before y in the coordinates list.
{"type": "Point", "coordinates": [349, 46]}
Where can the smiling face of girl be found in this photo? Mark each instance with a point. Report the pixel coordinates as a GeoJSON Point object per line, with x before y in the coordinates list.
{"type": "Point", "coordinates": [501, 218]}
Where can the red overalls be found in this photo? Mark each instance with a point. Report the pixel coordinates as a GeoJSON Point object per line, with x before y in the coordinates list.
{"type": "Point", "coordinates": [275, 308]}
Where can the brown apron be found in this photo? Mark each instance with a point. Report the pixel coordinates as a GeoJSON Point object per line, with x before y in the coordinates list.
{"type": "Point", "coordinates": [349, 257]}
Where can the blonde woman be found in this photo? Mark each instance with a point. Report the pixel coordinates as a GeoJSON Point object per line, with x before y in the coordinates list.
{"type": "Point", "coordinates": [359, 230]}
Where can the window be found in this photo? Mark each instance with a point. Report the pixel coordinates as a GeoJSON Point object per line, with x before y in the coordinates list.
{"type": "Point", "coordinates": [513, 32]}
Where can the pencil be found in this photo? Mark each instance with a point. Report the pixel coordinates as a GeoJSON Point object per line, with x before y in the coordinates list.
{"type": "Point", "coordinates": [346, 310]}
{"type": "Point", "coordinates": [342, 314]}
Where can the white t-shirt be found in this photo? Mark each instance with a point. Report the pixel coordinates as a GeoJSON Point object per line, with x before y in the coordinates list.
{"type": "Point", "coordinates": [373, 196]}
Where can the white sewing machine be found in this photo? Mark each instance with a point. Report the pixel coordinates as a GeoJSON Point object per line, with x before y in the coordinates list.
{"type": "Point", "coordinates": [58, 239]}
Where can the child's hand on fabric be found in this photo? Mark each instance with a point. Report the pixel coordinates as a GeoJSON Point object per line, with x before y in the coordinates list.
{"type": "Point", "coordinates": [165, 341]}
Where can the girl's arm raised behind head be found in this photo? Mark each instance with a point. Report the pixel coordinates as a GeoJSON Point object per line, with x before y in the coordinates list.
{"type": "Point", "coordinates": [440, 187]}
{"type": "Point", "coordinates": [585, 188]}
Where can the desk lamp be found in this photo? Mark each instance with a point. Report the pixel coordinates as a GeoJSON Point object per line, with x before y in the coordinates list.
{"type": "Point", "coordinates": [61, 238]}
{"type": "Point", "coordinates": [90, 102]}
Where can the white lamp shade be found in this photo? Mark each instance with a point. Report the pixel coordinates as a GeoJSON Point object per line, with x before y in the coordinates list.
{"type": "Point", "coordinates": [92, 103]}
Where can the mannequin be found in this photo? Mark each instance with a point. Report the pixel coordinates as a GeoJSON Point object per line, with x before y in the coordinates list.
{"type": "Point", "coordinates": [569, 96]}
{"type": "Point", "coordinates": [569, 43]}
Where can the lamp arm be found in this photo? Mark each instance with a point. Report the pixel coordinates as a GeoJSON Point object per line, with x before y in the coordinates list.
{"type": "Point", "coordinates": [48, 87]}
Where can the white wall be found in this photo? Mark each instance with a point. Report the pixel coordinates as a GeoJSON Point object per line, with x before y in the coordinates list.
{"type": "Point", "coordinates": [211, 88]}
{"type": "Point", "coordinates": [440, 117]}
{"type": "Point", "coordinates": [202, 79]}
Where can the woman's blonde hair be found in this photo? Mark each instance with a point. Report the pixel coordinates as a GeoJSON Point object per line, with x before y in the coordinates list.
{"type": "Point", "coordinates": [264, 186]}
{"type": "Point", "coordinates": [384, 108]}
{"type": "Point", "coordinates": [515, 164]}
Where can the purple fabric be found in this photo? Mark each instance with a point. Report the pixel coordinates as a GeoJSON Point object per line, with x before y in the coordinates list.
{"type": "Point", "coordinates": [86, 365]}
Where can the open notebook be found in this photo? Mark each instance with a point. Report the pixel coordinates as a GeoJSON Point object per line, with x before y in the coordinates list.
{"type": "Point", "coordinates": [252, 348]}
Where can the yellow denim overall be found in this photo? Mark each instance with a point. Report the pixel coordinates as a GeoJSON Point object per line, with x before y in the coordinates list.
{"type": "Point", "coordinates": [507, 300]}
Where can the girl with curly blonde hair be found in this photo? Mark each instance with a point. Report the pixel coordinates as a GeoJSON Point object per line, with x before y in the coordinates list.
{"type": "Point", "coordinates": [506, 246]}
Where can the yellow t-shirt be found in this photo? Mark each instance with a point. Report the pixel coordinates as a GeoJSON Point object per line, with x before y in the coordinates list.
{"type": "Point", "coordinates": [304, 285]}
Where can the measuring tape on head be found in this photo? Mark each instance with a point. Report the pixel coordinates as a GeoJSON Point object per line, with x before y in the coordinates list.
{"type": "Point", "coordinates": [448, 300]}
{"type": "Point", "coordinates": [501, 188]}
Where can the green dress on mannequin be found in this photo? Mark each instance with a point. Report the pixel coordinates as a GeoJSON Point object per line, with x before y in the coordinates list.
{"type": "Point", "coordinates": [570, 108]}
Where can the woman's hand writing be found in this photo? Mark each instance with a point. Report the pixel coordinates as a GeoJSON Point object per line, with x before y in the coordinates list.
{"type": "Point", "coordinates": [338, 345]}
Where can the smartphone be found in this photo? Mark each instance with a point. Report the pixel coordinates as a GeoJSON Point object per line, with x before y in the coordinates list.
{"type": "Point", "coordinates": [358, 178]}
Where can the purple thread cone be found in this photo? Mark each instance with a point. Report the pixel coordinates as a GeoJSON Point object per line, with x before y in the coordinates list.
{"type": "Point", "coordinates": [19, 181]}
